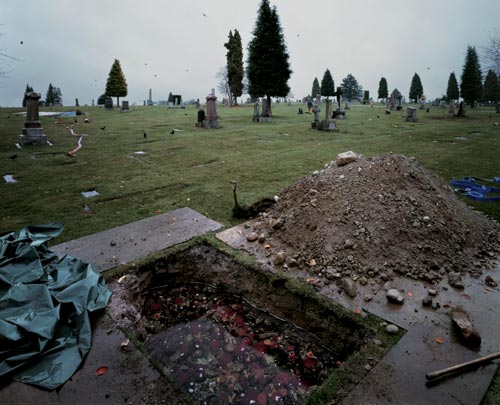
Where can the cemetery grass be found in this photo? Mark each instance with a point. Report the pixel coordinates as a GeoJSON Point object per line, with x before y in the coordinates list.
{"type": "Point", "coordinates": [193, 167]}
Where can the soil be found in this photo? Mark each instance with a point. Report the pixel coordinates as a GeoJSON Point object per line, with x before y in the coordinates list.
{"type": "Point", "coordinates": [379, 217]}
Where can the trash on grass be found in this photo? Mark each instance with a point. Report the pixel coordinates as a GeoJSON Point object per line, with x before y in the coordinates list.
{"type": "Point", "coordinates": [140, 152]}
{"type": "Point", "coordinates": [88, 194]}
{"type": "Point", "coordinates": [9, 178]}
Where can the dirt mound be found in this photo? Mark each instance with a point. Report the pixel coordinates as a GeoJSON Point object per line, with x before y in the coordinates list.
{"type": "Point", "coordinates": [377, 216]}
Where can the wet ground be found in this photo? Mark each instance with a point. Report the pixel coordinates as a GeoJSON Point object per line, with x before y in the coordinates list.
{"type": "Point", "coordinates": [428, 343]}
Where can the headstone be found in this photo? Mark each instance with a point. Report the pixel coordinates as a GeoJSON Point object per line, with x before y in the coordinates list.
{"type": "Point", "coordinates": [316, 110]}
{"type": "Point", "coordinates": [76, 103]}
{"type": "Point", "coordinates": [301, 111]}
{"type": "Point", "coordinates": [108, 103]}
{"type": "Point", "coordinates": [451, 111]}
{"type": "Point", "coordinates": [339, 94]}
{"type": "Point", "coordinates": [144, 102]}
{"type": "Point", "coordinates": [150, 99]}
{"type": "Point", "coordinates": [461, 110]}
{"type": "Point", "coordinates": [32, 133]}
{"type": "Point", "coordinates": [211, 119]}
{"type": "Point", "coordinates": [348, 105]}
{"type": "Point", "coordinates": [266, 111]}
{"type": "Point", "coordinates": [124, 107]}
{"type": "Point", "coordinates": [318, 99]}
{"type": "Point", "coordinates": [197, 104]}
{"type": "Point", "coordinates": [170, 105]}
{"type": "Point", "coordinates": [393, 103]}
{"type": "Point", "coordinates": [442, 104]}
{"type": "Point", "coordinates": [328, 124]}
{"type": "Point", "coordinates": [93, 103]}
{"type": "Point", "coordinates": [201, 118]}
{"type": "Point", "coordinates": [411, 114]}
{"type": "Point", "coordinates": [256, 112]}
{"type": "Point", "coordinates": [422, 104]}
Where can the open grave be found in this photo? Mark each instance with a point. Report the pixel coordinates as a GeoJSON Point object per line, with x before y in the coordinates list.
{"type": "Point", "coordinates": [227, 332]}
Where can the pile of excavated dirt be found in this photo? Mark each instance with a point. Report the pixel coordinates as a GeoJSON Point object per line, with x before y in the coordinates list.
{"type": "Point", "coordinates": [380, 216]}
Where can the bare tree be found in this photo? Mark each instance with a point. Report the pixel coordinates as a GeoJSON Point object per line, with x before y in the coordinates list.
{"type": "Point", "coordinates": [491, 52]}
{"type": "Point", "coordinates": [223, 83]}
{"type": "Point", "coordinates": [5, 62]}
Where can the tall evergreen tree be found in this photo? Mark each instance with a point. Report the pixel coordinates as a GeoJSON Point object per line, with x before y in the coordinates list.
{"type": "Point", "coordinates": [116, 86]}
{"type": "Point", "coordinates": [315, 88]}
{"type": "Point", "coordinates": [491, 87]}
{"type": "Point", "coordinates": [327, 85]}
{"type": "Point", "coordinates": [351, 89]}
{"type": "Point", "coordinates": [235, 71]}
{"type": "Point", "coordinates": [58, 96]}
{"type": "Point", "coordinates": [29, 89]}
{"type": "Point", "coordinates": [268, 67]}
{"type": "Point", "coordinates": [383, 91]}
{"type": "Point", "coordinates": [50, 96]}
{"type": "Point", "coordinates": [452, 91]}
{"type": "Point", "coordinates": [471, 80]}
{"type": "Point", "coordinates": [416, 88]}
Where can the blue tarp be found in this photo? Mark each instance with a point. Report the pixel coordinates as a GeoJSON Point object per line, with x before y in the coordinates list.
{"type": "Point", "coordinates": [45, 302]}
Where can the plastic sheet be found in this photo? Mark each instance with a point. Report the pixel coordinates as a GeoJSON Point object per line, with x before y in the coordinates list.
{"type": "Point", "coordinates": [45, 303]}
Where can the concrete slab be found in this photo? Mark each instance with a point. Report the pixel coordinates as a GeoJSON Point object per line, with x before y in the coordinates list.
{"type": "Point", "coordinates": [126, 243]}
{"type": "Point", "coordinates": [399, 378]}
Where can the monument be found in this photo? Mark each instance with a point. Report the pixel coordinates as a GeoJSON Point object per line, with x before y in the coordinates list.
{"type": "Point", "coordinates": [328, 124]}
{"type": "Point", "coordinates": [256, 112]}
{"type": "Point", "coordinates": [125, 107]}
{"type": "Point", "coordinates": [451, 111]}
{"type": "Point", "coordinates": [266, 111]}
{"type": "Point", "coordinates": [210, 119]}
{"type": "Point", "coordinates": [108, 103]}
{"type": "Point", "coordinates": [32, 133]}
{"type": "Point", "coordinates": [339, 113]}
{"type": "Point", "coordinates": [411, 114]}
{"type": "Point", "coordinates": [150, 99]}
{"type": "Point", "coordinates": [316, 110]}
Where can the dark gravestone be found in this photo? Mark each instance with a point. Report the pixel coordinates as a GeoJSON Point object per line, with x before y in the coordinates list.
{"type": "Point", "coordinates": [461, 110]}
{"type": "Point", "coordinates": [301, 111]}
{"type": "Point", "coordinates": [108, 103]}
{"type": "Point", "coordinates": [201, 118]}
{"type": "Point", "coordinates": [76, 103]}
{"type": "Point", "coordinates": [411, 114]}
{"type": "Point", "coordinates": [125, 107]}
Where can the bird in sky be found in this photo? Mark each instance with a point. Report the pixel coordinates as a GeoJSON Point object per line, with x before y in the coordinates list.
{"type": "Point", "coordinates": [428, 68]}
{"type": "Point", "coordinates": [156, 75]}
{"type": "Point", "coordinates": [22, 42]}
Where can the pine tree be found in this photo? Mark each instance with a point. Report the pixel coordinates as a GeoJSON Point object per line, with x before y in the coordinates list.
{"type": "Point", "coordinates": [116, 86]}
{"type": "Point", "coordinates": [491, 87]}
{"type": "Point", "coordinates": [29, 89]}
{"type": "Point", "coordinates": [351, 89]}
{"type": "Point", "coordinates": [50, 96]}
{"type": "Point", "coordinates": [383, 91]}
{"type": "Point", "coordinates": [315, 88]}
{"type": "Point", "coordinates": [471, 80]}
{"type": "Point", "coordinates": [416, 88]}
{"type": "Point", "coordinates": [268, 66]}
{"type": "Point", "coordinates": [327, 85]}
{"type": "Point", "coordinates": [58, 96]}
{"type": "Point", "coordinates": [452, 91]}
{"type": "Point", "coordinates": [234, 59]}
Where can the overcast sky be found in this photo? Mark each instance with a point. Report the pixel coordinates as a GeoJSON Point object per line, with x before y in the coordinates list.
{"type": "Point", "coordinates": [72, 44]}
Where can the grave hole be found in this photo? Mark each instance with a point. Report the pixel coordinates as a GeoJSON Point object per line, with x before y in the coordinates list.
{"type": "Point", "coordinates": [227, 332]}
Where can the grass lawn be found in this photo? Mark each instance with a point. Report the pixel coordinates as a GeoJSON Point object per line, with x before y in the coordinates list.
{"type": "Point", "coordinates": [193, 167]}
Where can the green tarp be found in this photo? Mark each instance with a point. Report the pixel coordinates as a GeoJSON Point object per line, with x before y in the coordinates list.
{"type": "Point", "coordinates": [45, 302]}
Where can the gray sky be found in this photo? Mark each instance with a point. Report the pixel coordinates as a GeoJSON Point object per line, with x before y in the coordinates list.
{"type": "Point", "coordinates": [72, 44]}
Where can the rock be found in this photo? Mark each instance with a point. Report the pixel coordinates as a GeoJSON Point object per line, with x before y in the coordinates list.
{"type": "Point", "coordinates": [346, 157]}
{"type": "Point", "coordinates": [432, 292]}
{"type": "Point", "coordinates": [349, 287]}
{"type": "Point", "coordinates": [435, 305]}
{"type": "Point", "coordinates": [367, 367]}
{"type": "Point", "coordinates": [463, 324]}
{"type": "Point", "coordinates": [395, 296]}
{"type": "Point", "coordinates": [312, 262]}
{"type": "Point", "coordinates": [377, 342]}
{"type": "Point", "coordinates": [252, 237]}
{"type": "Point", "coordinates": [348, 244]}
{"type": "Point", "coordinates": [293, 263]}
{"type": "Point", "coordinates": [280, 258]}
{"type": "Point", "coordinates": [262, 238]}
{"type": "Point", "coordinates": [455, 280]}
{"type": "Point", "coordinates": [427, 301]}
{"type": "Point", "coordinates": [490, 282]}
{"type": "Point", "coordinates": [392, 329]}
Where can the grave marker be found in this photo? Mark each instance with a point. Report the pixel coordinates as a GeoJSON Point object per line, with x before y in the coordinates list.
{"type": "Point", "coordinates": [125, 107]}
{"type": "Point", "coordinates": [32, 133]}
{"type": "Point", "coordinates": [411, 114]}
